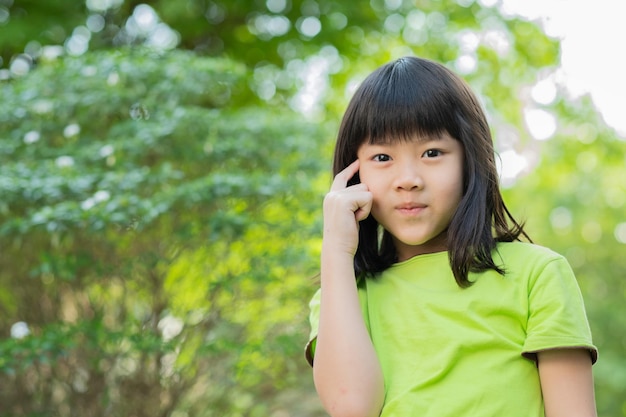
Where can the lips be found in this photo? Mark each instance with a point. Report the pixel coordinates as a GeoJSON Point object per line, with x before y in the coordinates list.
{"type": "Point", "coordinates": [410, 208]}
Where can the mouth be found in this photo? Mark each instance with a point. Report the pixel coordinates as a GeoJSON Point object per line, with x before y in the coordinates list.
{"type": "Point", "coordinates": [411, 208]}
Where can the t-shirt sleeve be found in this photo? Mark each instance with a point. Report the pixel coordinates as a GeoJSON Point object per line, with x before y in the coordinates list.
{"type": "Point", "coordinates": [557, 317]}
{"type": "Point", "coordinates": [314, 320]}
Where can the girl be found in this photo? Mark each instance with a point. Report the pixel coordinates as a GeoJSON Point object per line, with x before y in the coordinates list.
{"type": "Point", "coordinates": [430, 305]}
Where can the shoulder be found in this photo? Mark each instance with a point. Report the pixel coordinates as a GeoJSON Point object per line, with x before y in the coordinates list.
{"type": "Point", "coordinates": [524, 253]}
{"type": "Point", "coordinates": [534, 264]}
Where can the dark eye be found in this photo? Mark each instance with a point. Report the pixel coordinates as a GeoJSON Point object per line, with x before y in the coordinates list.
{"type": "Point", "coordinates": [381, 157]}
{"type": "Point", "coordinates": [432, 153]}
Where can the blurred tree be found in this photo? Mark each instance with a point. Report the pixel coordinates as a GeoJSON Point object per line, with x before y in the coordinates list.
{"type": "Point", "coordinates": [291, 44]}
{"type": "Point", "coordinates": [104, 154]}
{"type": "Point", "coordinates": [151, 223]}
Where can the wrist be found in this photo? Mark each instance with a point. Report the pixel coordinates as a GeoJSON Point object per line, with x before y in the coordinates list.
{"type": "Point", "coordinates": [338, 251]}
{"type": "Point", "coordinates": [337, 264]}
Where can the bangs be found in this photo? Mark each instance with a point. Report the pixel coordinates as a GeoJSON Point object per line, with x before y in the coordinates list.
{"type": "Point", "coordinates": [400, 123]}
{"type": "Point", "coordinates": [404, 102]}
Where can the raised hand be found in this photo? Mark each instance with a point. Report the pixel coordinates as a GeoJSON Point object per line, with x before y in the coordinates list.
{"type": "Point", "coordinates": [346, 370]}
{"type": "Point", "coordinates": [344, 207]}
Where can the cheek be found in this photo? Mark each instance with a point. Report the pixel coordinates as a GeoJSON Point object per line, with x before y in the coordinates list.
{"type": "Point", "coordinates": [367, 178]}
{"type": "Point", "coordinates": [456, 195]}
{"type": "Point", "coordinates": [456, 185]}
{"type": "Point", "coordinates": [376, 187]}
{"type": "Point", "coordinates": [451, 193]}
{"type": "Point", "coordinates": [458, 188]}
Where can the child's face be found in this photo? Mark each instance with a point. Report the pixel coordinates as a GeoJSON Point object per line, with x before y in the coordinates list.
{"type": "Point", "coordinates": [416, 186]}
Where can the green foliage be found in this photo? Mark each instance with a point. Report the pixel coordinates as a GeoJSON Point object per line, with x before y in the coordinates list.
{"type": "Point", "coordinates": [27, 21]}
{"type": "Point", "coordinates": [147, 202]}
{"type": "Point", "coordinates": [271, 37]}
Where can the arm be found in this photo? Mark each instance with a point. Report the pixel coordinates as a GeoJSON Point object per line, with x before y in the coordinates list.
{"type": "Point", "coordinates": [346, 370]}
{"type": "Point", "coordinates": [567, 383]}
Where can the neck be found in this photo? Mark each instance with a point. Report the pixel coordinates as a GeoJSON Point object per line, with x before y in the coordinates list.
{"type": "Point", "coordinates": [437, 244]}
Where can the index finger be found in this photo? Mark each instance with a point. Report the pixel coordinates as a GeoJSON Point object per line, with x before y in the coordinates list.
{"type": "Point", "coordinates": [341, 179]}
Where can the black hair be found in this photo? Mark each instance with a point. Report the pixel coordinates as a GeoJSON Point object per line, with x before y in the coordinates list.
{"type": "Point", "coordinates": [413, 97]}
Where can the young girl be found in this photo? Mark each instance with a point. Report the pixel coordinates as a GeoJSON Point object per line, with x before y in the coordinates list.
{"type": "Point", "coordinates": [429, 304]}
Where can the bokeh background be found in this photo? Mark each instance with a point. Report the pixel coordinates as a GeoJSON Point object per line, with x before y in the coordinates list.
{"type": "Point", "coordinates": [162, 166]}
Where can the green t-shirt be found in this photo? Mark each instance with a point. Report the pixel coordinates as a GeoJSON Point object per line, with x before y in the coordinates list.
{"type": "Point", "coordinates": [448, 351]}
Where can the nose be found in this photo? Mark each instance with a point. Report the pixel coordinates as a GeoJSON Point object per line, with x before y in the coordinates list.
{"type": "Point", "coordinates": [408, 177]}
